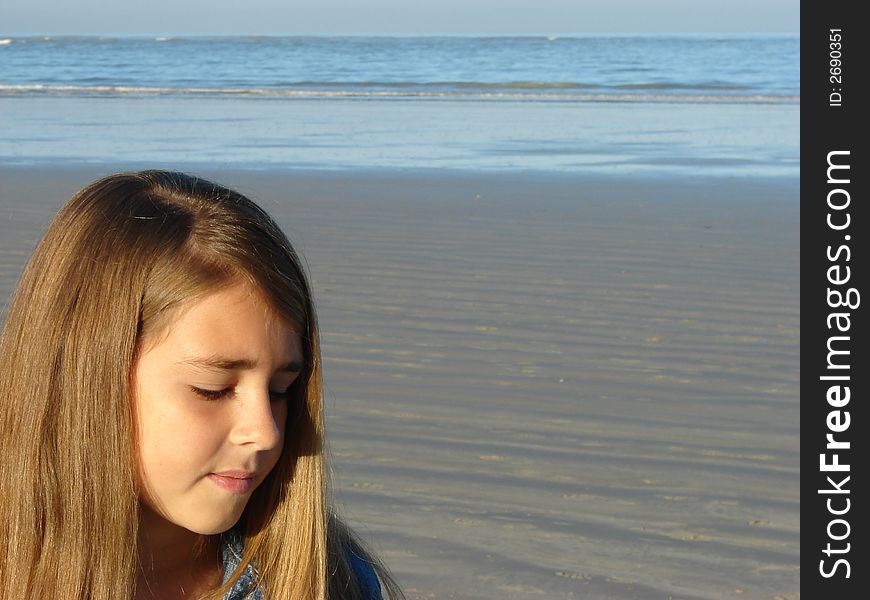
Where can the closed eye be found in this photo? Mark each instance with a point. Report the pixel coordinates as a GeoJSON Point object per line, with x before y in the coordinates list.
{"type": "Point", "coordinates": [218, 394]}
{"type": "Point", "coordinates": [212, 394]}
{"type": "Point", "coordinates": [288, 392]}
{"type": "Point", "coordinates": [278, 396]}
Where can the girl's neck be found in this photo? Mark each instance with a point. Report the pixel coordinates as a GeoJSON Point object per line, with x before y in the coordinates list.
{"type": "Point", "coordinates": [175, 562]}
{"type": "Point", "coordinates": [178, 586]}
{"type": "Point", "coordinates": [187, 579]}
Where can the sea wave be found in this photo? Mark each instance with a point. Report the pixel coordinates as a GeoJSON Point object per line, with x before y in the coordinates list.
{"type": "Point", "coordinates": [531, 92]}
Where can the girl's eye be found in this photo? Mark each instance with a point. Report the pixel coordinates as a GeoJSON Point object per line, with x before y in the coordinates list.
{"type": "Point", "coordinates": [278, 396]}
{"type": "Point", "coordinates": [287, 393]}
{"type": "Point", "coordinates": [218, 394]}
{"type": "Point", "coordinates": [212, 394]}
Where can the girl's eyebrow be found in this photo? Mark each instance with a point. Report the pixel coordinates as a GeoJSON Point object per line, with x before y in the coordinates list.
{"type": "Point", "coordinates": [239, 364]}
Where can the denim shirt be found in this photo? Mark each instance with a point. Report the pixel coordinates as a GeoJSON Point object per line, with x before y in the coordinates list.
{"type": "Point", "coordinates": [231, 556]}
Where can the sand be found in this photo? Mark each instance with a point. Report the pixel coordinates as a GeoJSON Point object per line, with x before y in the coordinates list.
{"type": "Point", "coordinates": [543, 386]}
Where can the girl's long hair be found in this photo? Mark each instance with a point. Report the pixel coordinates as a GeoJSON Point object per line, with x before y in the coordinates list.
{"type": "Point", "coordinates": [118, 258]}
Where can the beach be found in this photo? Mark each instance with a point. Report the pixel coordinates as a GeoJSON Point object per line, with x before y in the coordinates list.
{"type": "Point", "coordinates": [542, 385]}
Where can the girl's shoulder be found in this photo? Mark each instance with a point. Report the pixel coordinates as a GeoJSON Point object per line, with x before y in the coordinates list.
{"type": "Point", "coordinates": [232, 545]}
{"type": "Point", "coordinates": [365, 576]}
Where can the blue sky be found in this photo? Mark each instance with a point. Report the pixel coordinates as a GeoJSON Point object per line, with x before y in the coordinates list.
{"type": "Point", "coordinates": [396, 16]}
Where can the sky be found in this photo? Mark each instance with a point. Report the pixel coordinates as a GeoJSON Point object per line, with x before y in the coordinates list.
{"type": "Point", "coordinates": [383, 17]}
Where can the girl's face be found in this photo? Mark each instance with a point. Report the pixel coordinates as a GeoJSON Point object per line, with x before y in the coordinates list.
{"type": "Point", "coordinates": [210, 403]}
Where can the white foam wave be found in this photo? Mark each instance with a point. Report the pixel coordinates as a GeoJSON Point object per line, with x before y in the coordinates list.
{"type": "Point", "coordinates": [537, 96]}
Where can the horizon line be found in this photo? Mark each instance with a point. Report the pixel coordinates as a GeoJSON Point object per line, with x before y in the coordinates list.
{"type": "Point", "coordinates": [556, 34]}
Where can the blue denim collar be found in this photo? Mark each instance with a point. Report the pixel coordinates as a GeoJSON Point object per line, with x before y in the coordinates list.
{"type": "Point", "coordinates": [232, 545]}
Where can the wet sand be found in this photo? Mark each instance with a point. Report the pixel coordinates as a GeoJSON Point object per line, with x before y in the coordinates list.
{"type": "Point", "coordinates": [543, 386]}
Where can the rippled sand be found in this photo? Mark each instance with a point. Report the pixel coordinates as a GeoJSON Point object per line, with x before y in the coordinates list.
{"type": "Point", "coordinates": [544, 386]}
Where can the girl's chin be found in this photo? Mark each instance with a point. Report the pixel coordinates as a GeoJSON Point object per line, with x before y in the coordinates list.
{"type": "Point", "coordinates": [201, 523]}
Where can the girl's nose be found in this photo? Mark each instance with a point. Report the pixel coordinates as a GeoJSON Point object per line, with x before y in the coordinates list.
{"type": "Point", "coordinates": [259, 422]}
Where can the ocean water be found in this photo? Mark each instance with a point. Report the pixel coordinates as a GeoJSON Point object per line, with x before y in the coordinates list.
{"type": "Point", "coordinates": [716, 104]}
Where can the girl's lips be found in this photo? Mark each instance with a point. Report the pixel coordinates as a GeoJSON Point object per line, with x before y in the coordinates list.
{"type": "Point", "coordinates": [236, 485]}
{"type": "Point", "coordinates": [237, 474]}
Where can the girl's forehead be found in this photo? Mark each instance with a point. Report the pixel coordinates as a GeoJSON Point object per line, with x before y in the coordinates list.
{"type": "Point", "coordinates": [232, 306]}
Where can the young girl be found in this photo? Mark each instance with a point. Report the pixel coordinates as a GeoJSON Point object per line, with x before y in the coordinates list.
{"type": "Point", "coordinates": [161, 411]}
